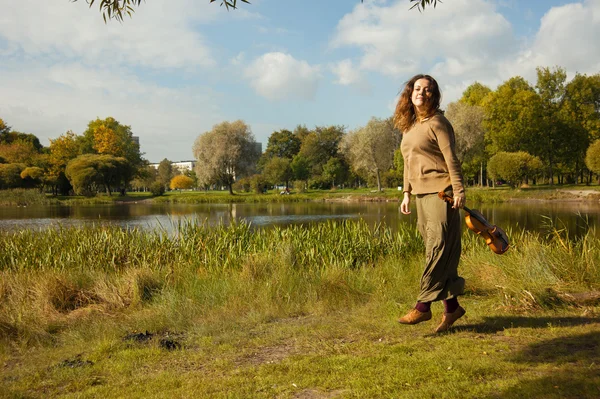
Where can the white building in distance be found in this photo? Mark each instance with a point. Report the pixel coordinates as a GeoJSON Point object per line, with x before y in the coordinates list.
{"type": "Point", "coordinates": [182, 166]}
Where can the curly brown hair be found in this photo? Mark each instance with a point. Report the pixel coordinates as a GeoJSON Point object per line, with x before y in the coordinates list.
{"type": "Point", "coordinates": [405, 114]}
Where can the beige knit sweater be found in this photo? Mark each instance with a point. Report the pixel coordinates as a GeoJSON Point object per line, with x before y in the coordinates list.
{"type": "Point", "coordinates": [430, 162]}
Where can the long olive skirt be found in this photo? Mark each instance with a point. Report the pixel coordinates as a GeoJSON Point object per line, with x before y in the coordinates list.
{"type": "Point", "coordinates": [440, 227]}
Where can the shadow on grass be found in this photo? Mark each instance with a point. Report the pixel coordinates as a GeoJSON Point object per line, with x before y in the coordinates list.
{"type": "Point", "coordinates": [491, 325]}
{"type": "Point", "coordinates": [575, 371]}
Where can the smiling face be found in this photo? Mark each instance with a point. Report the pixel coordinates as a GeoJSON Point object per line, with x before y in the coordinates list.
{"type": "Point", "coordinates": [420, 95]}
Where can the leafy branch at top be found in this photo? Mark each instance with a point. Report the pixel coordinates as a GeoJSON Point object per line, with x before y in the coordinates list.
{"type": "Point", "coordinates": [117, 8]}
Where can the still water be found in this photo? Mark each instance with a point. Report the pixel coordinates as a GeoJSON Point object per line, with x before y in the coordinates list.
{"type": "Point", "coordinates": [577, 217]}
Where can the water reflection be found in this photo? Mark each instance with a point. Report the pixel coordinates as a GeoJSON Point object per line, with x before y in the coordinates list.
{"type": "Point", "coordinates": [577, 217]}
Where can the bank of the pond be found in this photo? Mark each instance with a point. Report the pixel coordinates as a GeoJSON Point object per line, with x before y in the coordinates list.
{"type": "Point", "coordinates": [22, 197]}
{"type": "Point", "coordinates": [290, 312]}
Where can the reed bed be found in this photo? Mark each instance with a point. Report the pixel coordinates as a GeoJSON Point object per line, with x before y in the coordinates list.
{"type": "Point", "coordinates": [62, 280]}
{"type": "Point", "coordinates": [24, 197]}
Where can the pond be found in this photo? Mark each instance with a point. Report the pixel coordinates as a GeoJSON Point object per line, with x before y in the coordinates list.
{"type": "Point", "coordinates": [577, 217]}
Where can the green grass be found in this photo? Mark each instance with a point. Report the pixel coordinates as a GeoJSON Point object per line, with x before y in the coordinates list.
{"type": "Point", "coordinates": [474, 195]}
{"type": "Point", "coordinates": [290, 312]}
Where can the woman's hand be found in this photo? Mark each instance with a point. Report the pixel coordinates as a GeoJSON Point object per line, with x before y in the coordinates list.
{"type": "Point", "coordinates": [459, 202]}
{"type": "Point", "coordinates": [405, 205]}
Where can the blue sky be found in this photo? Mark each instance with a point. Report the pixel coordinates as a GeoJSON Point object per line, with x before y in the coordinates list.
{"type": "Point", "coordinates": [180, 66]}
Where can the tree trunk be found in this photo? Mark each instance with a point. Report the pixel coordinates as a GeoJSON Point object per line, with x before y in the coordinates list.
{"type": "Point", "coordinates": [230, 186]}
{"type": "Point", "coordinates": [481, 174]}
{"type": "Point", "coordinates": [378, 180]}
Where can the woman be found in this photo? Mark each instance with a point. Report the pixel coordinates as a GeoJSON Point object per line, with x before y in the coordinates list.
{"type": "Point", "coordinates": [431, 166]}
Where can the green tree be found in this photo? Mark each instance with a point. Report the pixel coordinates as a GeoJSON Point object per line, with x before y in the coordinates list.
{"type": "Point", "coordinates": [475, 94]}
{"type": "Point", "coordinates": [333, 171]}
{"type": "Point", "coordinates": [110, 137]}
{"type": "Point", "coordinates": [90, 172]}
{"type": "Point", "coordinates": [4, 129]}
{"type": "Point", "coordinates": [300, 168]}
{"type": "Point", "coordinates": [320, 145]}
{"type": "Point", "coordinates": [282, 144]}
{"type": "Point", "coordinates": [62, 149]}
{"type": "Point", "coordinates": [145, 177]}
{"type": "Point", "coordinates": [165, 172]}
{"type": "Point", "coordinates": [192, 175]}
{"type": "Point", "coordinates": [225, 153]}
{"type": "Point", "coordinates": [581, 111]}
{"type": "Point", "coordinates": [514, 167]}
{"type": "Point", "coordinates": [592, 158]}
{"type": "Point", "coordinates": [20, 151]}
{"type": "Point", "coordinates": [582, 103]}
{"type": "Point", "coordinates": [513, 117]}
{"type": "Point", "coordinates": [33, 177]}
{"type": "Point", "coordinates": [278, 170]}
{"type": "Point", "coordinates": [370, 149]}
{"type": "Point", "coordinates": [301, 131]}
{"type": "Point", "coordinates": [10, 175]}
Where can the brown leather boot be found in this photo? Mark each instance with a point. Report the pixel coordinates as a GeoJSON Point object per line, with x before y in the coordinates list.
{"type": "Point", "coordinates": [449, 318]}
{"type": "Point", "coordinates": [414, 317]}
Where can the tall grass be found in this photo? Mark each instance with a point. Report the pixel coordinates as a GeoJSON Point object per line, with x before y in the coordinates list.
{"type": "Point", "coordinates": [54, 280]}
{"type": "Point", "coordinates": [24, 197]}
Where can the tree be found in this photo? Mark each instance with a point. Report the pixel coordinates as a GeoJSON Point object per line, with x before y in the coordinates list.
{"type": "Point", "coordinates": [581, 111]}
{"type": "Point", "coordinates": [475, 94]}
{"type": "Point", "coordinates": [146, 176]}
{"type": "Point", "coordinates": [514, 167]}
{"type": "Point", "coordinates": [4, 129]}
{"type": "Point", "coordinates": [20, 151]}
{"type": "Point", "coordinates": [10, 175]}
{"type": "Point", "coordinates": [582, 103]}
{"type": "Point", "coordinates": [283, 144]}
{"type": "Point", "coordinates": [225, 153]}
{"type": "Point", "coordinates": [370, 149]}
{"type": "Point", "coordinates": [300, 168]}
{"type": "Point", "coordinates": [117, 8]}
{"type": "Point", "coordinates": [592, 158]}
{"type": "Point", "coordinates": [181, 182]}
{"type": "Point", "coordinates": [467, 121]}
{"type": "Point", "coordinates": [33, 176]}
{"type": "Point", "coordinates": [110, 137]}
{"type": "Point", "coordinates": [90, 172]}
{"type": "Point", "coordinates": [320, 145]}
{"type": "Point", "coordinates": [513, 116]}
{"type": "Point", "coordinates": [278, 170]}
{"type": "Point", "coordinates": [62, 149]}
{"type": "Point", "coordinates": [165, 172]}
{"type": "Point", "coordinates": [333, 171]}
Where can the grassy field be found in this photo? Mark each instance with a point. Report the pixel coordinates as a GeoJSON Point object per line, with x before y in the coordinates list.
{"type": "Point", "coordinates": [232, 312]}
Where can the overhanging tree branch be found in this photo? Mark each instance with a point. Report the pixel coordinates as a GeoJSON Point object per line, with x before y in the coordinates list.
{"type": "Point", "coordinates": [115, 9]}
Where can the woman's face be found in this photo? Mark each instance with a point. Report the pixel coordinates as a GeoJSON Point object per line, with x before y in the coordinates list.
{"type": "Point", "coordinates": [421, 91]}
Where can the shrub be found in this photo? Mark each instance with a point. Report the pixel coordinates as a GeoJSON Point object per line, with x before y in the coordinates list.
{"type": "Point", "coordinates": [157, 188]}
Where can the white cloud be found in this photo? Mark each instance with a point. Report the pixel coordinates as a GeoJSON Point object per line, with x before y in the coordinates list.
{"type": "Point", "coordinates": [159, 35]}
{"type": "Point", "coordinates": [278, 75]}
{"type": "Point", "coordinates": [467, 41]}
{"type": "Point", "coordinates": [67, 96]}
{"type": "Point", "coordinates": [348, 74]}
{"type": "Point", "coordinates": [458, 38]}
{"type": "Point", "coordinates": [568, 37]}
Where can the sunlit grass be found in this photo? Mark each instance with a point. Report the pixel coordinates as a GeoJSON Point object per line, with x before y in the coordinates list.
{"type": "Point", "coordinates": [286, 312]}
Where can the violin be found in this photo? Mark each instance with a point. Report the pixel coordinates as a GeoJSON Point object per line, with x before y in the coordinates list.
{"type": "Point", "coordinates": [493, 235]}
